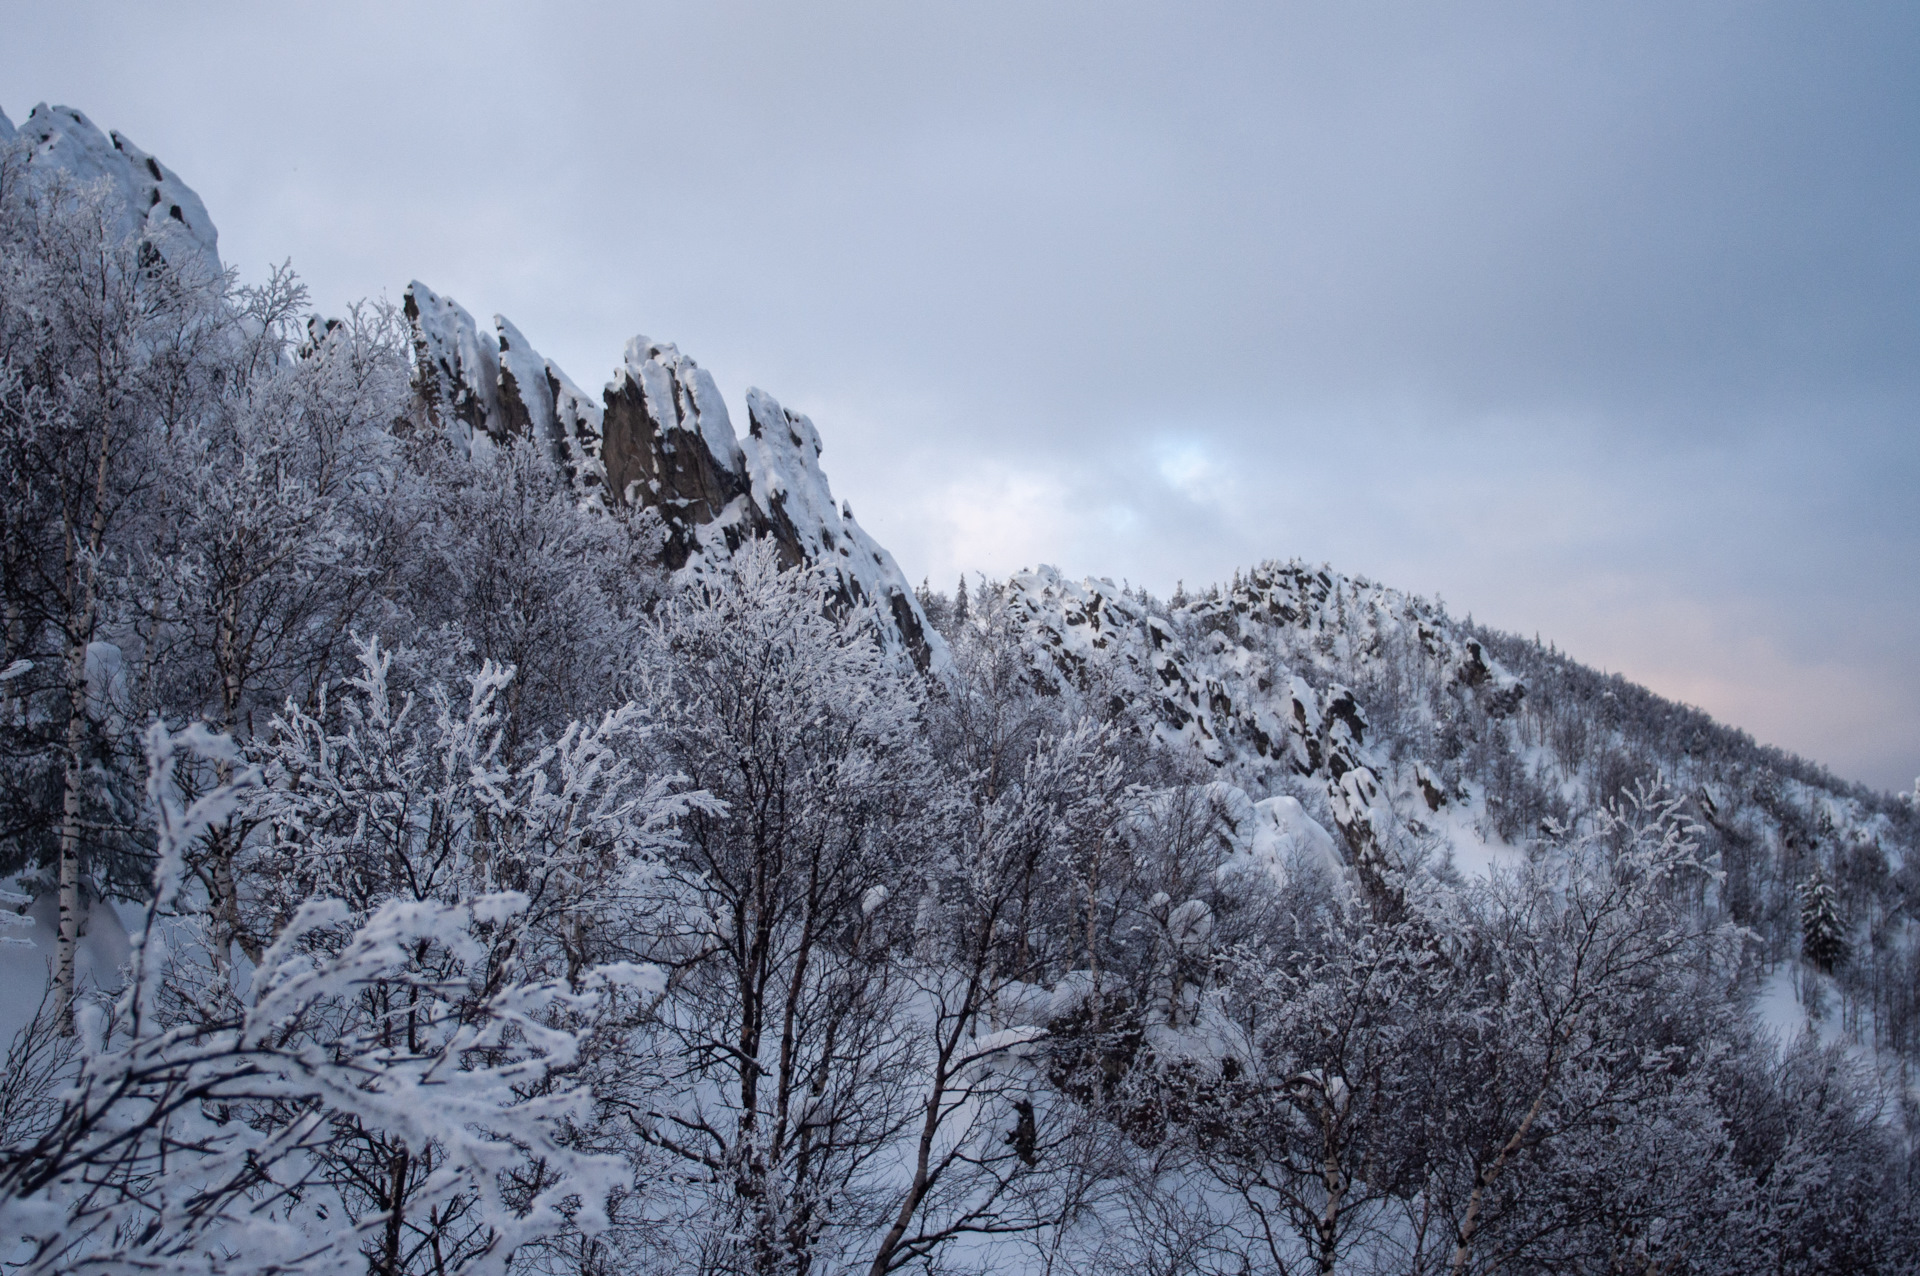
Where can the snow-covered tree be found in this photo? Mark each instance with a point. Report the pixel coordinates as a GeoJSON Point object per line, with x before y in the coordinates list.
{"type": "Point", "coordinates": [406, 799]}
{"type": "Point", "coordinates": [273, 548]}
{"type": "Point", "coordinates": [104, 347]}
{"type": "Point", "coordinates": [1589, 964]}
{"type": "Point", "coordinates": [1321, 1134]}
{"type": "Point", "coordinates": [989, 1132]}
{"type": "Point", "coordinates": [1823, 935]}
{"type": "Point", "coordinates": [514, 569]}
{"type": "Point", "coordinates": [204, 1128]}
{"type": "Point", "coordinates": [786, 907]}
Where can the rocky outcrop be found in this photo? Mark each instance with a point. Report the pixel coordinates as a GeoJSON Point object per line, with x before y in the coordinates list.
{"type": "Point", "coordinates": [456, 372]}
{"type": "Point", "coordinates": [783, 465]}
{"type": "Point", "coordinates": [660, 437]}
{"type": "Point", "coordinates": [1246, 679]}
{"type": "Point", "coordinates": [668, 444]}
{"type": "Point", "coordinates": [146, 198]}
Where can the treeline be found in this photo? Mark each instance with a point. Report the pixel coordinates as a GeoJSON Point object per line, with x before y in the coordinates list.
{"type": "Point", "coordinates": [506, 905]}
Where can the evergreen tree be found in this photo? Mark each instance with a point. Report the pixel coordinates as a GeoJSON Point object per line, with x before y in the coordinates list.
{"type": "Point", "coordinates": [1823, 938]}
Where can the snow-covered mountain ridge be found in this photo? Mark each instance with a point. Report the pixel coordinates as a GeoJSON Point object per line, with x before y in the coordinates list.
{"type": "Point", "coordinates": [148, 197]}
{"type": "Point", "coordinates": [659, 436]}
{"type": "Point", "coordinates": [1292, 924]}
{"type": "Point", "coordinates": [1401, 726]}
{"type": "Point", "coordinates": [1413, 735]}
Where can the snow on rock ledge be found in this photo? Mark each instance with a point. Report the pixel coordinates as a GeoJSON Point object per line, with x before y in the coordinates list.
{"type": "Point", "coordinates": [668, 444]}
{"type": "Point", "coordinates": [456, 372]}
{"type": "Point", "coordinates": [658, 437]}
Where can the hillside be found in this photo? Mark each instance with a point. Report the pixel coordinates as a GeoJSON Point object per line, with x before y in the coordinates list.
{"type": "Point", "coordinates": [1456, 747]}
{"type": "Point", "coordinates": [453, 821]}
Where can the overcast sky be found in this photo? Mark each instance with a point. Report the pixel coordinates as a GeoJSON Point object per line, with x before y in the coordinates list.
{"type": "Point", "coordinates": [1600, 321]}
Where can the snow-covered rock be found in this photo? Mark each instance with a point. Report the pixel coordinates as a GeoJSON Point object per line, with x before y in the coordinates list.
{"type": "Point", "coordinates": [146, 197]}
{"type": "Point", "coordinates": [661, 437]}
{"type": "Point", "coordinates": [783, 463]}
{"type": "Point", "coordinates": [1283, 836]}
{"type": "Point", "coordinates": [1246, 680]}
{"type": "Point", "coordinates": [456, 371]}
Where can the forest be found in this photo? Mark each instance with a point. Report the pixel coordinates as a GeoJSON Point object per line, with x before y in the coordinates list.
{"type": "Point", "coordinates": [501, 895]}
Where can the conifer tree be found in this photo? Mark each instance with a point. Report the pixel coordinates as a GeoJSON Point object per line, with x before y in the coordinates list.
{"type": "Point", "coordinates": [1823, 937]}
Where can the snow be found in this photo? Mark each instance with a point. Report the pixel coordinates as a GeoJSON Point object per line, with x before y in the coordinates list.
{"type": "Point", "coordinates": [579, 420]}
{"type": "Point", "coordinates": [518, 359]}
{"type": "Point", "coordinates": [148, 197]}
{"type": "Point", "coordinates": [1002, 1046]}
{"type": "Point", "coordinates": [461, 370]}
{"type": "Point", "coordinates": [1777, 1005]}
{"type": "Point", "coordinates": [26, 963]}
{"type": "Point", "coordinates": [1073, 990]}
{"type": "Point", "coordinates": [576, 406]}
{"type": "Point", "coordinates": [783, 459]}
{"type": "Point", "coordinates": [645, 977]}
{"type": "Point", "coordinates": [106, 670]}
{"type": "Point", "coordinates": [1247, 680]}
{"type": "Point", "coordinates": [664, 375]}
{"type": "Point", "coordinates": [1190, 926]}
{"type": "Point", "coordinates": [782, 455]}
{"type": "Point", "coordinates": [13, 899]}
{"type": "Point", "coordinates": [1017, 1002]}
{"type": "Point", "coordinates": [464, 376]}
{"type": "Point", "coordinates": [1279, 838]}
{"type": "Point", "coordinates": [1284, 825]}
{"type": "Point", "coordinates": [1476, 853]}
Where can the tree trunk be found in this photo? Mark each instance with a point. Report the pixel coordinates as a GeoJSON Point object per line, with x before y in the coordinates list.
{"type": "Point", "coordinates": [68, 942]}
{"type": "Point", "coordinates": [80, 618]}
{"type": "Point", "coordinates": [1327, 1226]}
{"type": "Point", "coordinates": [1472, 1222]}
{"type": "Point", "coordinates": [396, 1212]}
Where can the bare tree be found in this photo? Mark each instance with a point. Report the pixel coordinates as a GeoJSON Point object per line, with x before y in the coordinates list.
{"type": "Point", "coordinates": [785, 1007]}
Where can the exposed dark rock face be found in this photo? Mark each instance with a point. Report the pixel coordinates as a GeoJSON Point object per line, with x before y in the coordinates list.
{"type": "Point", "coordinates": [667, 444]}
{"type": "Point", "coordinates": [527, 394]}
{"type": "Point", "coordinates": [456, 370]}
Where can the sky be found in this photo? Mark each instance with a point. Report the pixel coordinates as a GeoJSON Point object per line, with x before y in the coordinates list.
{"type": "Point", "coordinates": [1600, 322]}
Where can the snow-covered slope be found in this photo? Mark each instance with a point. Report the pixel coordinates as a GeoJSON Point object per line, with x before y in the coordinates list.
{"type": "Point", "coordinates": [1407, 736]}
{"type": "Point", "coordinates": [1252, 683]}
{"type": "Point", "coordinates": [1193, 880]}
{"type": "Point", "coordinates": [1427, 745]}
